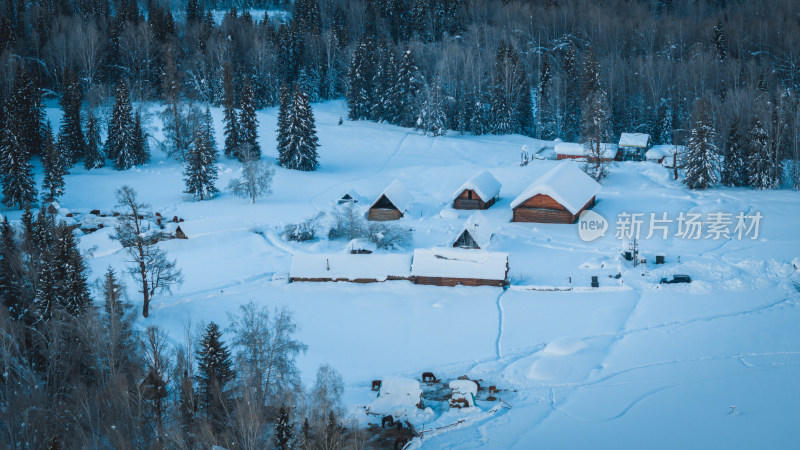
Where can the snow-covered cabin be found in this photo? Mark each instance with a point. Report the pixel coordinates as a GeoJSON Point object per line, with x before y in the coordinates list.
{"type": "Point", "coordinates": [571, 150]}
{"type": "Point", "coordinates": [475, 234]}
{"type": "Point", "coordinates": [360, 247]}
{"type": "Point", "coordinates": [350, 196]}
{"type": "Point", "coordinates": [663, 153]}
{"type": "Point", "coordinates": [633, 146]}
{"type": "Point", "coordinates": [558, 196]}
{"type": "Point", "coordinates": [479, 192]}
{"type": "Point", "coordinates": [393, 202]}
{"type": "Point", "coordinates": [456, 266]}
{"type": "Point", "coordinates": [347, 267]}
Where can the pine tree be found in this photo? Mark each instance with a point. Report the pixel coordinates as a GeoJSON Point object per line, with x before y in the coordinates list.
{"type": "Point", "coordinates": [214, 372]}
{"type": "Point", "coordinates": [93, 158]}
{"type": "Point", "coordinates": [720, 41]}
{"type": "Point", "coordinates": [121, 134]}
{"type": "Point", "coordinates": [734, 164]}
{"type": "Point", "coordinates": [75, 297]}
{"type": "Point", "coordinates": [141, 151]}
{"type": "Point", "coordinates": [70, 135]}
{"type": "Point", "coordinates": [121, 342]}
{"type": "Point", "coordinates": [432, 120]}
{"type": "Point", "coordinates": [572, 109]}
{"type": "Point", "coordinates": [360, 76]}
{"type": "Point", "coordinates": [402, 94]}
{"type": "Point", "coordinates": [10, 277]}
{"type": "Point", "coordinates": [760, 165]}
{"type": "Point", "coordinates": [702, 156]}
{"type": "Point", "coordinates": [282, 138]}
{"type": "Point", "coordinates": [17, 173]}
{"type": "Point", "coordinates": [248, 126]}
{"type": "Point", "coordinates": [26, 113]}
{"type": "Point", "coordinates": [382, 81]}
{"type": "Point", "coordinates": [545, 104]}
{"type": "Point", "coordinates": [301, 135]}
{"type": "Point", "coordinates": [201, 168]}
{"type": "Point", "coordinates": [229, 113]}
{"type": "Point", "coordinates": [54, 163]}
{"type": "Point", "coordinates": [663, 134]}
{"type": "Point", "coordinates": [284, 434]}
{"type": "Point", "coordinates": [306, 439]}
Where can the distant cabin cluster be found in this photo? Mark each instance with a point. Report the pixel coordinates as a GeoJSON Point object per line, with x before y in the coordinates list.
{"type": "Point", "coordinates": [557, 197]}
{"type": "Point", "coordinates": [631, 147]}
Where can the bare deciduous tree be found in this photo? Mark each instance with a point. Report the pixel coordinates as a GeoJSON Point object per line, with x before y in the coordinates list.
{"type": "Point", "coordinates": [256, 180]}
{"type": "Point", "coordinates": [150, 266]}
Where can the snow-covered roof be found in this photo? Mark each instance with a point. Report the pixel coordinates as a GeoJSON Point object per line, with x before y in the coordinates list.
{"type": "Point", "coordinates": [660, 151]}
{"type": "Point", "coordinates": [566, 183]}
{"type": "Point", "coordinates": [484, 184]}
{"type": "Point", "coordinates": [574, 149]}
{"type": "Point", "coordinates": [350, 195]}
{"type": "Point", "coordinates": [344, 266]}
{"type": "Point", "coordinates": [459, 263]}
{"type": "Point", "coordinates": [398, 195]}
{"type": "Point", "coordinates": [360, 244]}
{"type": "Point", "coordinates": [478, 228]}
{"type": "Point", "coordinates": [634, 139]}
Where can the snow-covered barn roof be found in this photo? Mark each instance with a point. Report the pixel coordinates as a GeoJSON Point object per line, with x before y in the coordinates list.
{"type": "Point", "coordinates": [634, 139]}
{"type": "Point", "coordinates": [484, 184]}
{"type": "Point", "coordinates": [478, 228]}
{"type": "Point", "coordinates": [344, 266]}
{"type": "Point", "coordinates": [459, 263]}
{"type": "Point", "coordinates": [566, 183]}
{"type": "Point", "coordinates": [398, 195]}
{"type": "Point", "coordinates": [662, 151]}
{"type": "Point", "coordinates": [573, 149]}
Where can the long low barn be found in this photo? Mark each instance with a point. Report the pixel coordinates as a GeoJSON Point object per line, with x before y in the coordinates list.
{"type": "Point", "coordinates": [455, 266]}
{"type": "Point", "coordinates": [370, 268]}
{"type": "Point", "coordinates": [438, 266]}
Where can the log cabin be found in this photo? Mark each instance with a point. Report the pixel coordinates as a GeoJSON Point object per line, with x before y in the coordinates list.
{"type": "Point", "coordinates": [475, 234]}
{"type": "Point", "coordinates": [479, 192]}
{"type": "Point", "coordinates": [558, 196]}
{"type": "Point", "coordinates": [571, 150]}
{"type": "Point", "coordinates": [392, 204]}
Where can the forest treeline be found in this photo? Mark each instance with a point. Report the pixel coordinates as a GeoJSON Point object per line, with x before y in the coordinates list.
{"type": "Point", "coordinates": [78, 373]}
{"type": "Point", "coordinates": [478, 66]}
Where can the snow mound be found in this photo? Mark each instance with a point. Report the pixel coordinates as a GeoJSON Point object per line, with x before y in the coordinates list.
{"type": "Point", "coordinates": [564, 346]}
{"type": "Point", "coordinates": [398, 397]}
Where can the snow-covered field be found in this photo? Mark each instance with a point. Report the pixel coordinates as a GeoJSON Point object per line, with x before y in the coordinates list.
{"type": "Point", "coordinates": [633, 364]}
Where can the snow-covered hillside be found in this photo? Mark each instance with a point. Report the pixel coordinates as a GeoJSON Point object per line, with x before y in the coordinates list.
{"type": "Point", "coordinates": [631, 364]}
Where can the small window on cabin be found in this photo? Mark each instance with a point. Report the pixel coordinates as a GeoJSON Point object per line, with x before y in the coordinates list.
{"type": "Point", "coordinates": [469, 194]}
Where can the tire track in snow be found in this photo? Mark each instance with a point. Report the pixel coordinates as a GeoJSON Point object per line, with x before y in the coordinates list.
{"type": "Point", "coordinates": [497, 343]}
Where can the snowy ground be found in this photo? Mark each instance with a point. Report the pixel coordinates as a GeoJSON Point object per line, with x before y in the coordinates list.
{"type": "Point", "coordinates": [633, 364]}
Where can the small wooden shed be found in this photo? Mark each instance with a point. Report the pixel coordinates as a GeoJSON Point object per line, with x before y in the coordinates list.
{"type": "Point", "coordinates": [475, 234]}
{"type": "Point", "coordinates": [633, 146]}
{"type": "Point", "coordinates": [360, 247]}
{"type": "Point", "coordinates": [479, 192]}
{"type": "Point", "coordinates": [559, 196]}
{"type": "Point", "coordinates": [350, 196]}
{"type": "Point", "coordinates": [393, 202]}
